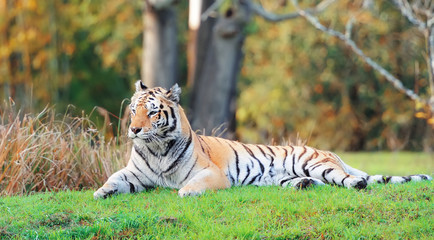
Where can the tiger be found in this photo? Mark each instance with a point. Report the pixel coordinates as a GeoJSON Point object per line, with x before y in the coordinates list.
{"type": "Point", "coordinates": [166, 152]}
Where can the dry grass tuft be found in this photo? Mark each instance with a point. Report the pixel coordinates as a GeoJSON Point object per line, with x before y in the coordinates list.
{"type": "Point", "coordinates": [43, 153]}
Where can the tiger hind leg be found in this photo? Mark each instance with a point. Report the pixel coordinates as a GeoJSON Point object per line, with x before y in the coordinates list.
{"type": "Point", "coordinates": [341, 178]}
{"type": "Point", "coordinates": [300, 182]}
{"type": "Point", "coordinates": [336, 175]}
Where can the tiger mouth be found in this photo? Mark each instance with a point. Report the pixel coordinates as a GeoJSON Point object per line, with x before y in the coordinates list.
{"type": "Point", "coordinates": [146, 138]}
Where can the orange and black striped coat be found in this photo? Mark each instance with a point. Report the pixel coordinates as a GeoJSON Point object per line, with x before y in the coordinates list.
{"type": "Point", "coordinates": [167, 152]}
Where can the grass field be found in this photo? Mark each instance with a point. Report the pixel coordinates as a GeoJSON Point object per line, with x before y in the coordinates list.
{"type": "Point", "coordinates": [327, 212]}
{"type": "Point", "coordinates": [391, 163]}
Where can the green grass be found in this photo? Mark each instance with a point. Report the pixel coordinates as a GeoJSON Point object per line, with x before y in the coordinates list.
{"type": "Point", "coordinates": [391, 163]}
{"type": "Point", "coordinates": [380, 212]}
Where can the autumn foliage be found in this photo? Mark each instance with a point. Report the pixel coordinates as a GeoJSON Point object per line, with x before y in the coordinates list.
{"type": "Point", "coordinates": [295, 80]}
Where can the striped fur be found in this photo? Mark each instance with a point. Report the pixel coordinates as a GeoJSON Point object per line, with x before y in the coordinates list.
{"type": "Point", "coordinates": [166, 152]}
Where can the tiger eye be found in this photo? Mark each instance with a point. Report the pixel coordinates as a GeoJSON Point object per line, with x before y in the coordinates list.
{"type": "Point", "coordinates": [161, 105]}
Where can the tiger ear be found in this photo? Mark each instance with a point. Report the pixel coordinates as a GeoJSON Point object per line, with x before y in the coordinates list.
{"type": "Point", "coordinates": [140, 86]}
{"type": "Point", "coordinates": [173, 93]}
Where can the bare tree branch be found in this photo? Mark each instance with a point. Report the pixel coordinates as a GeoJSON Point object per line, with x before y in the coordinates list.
{"type": "Point", "coordinates": [421, 14]}
{"type": "Point", "coordinates": [259, 10]}
{"type": "Point", "coordinates": [407, 11]}
{"type": "Point", "coordinates": [211, 11]}
{"type": "Point", "coordinates": [389, 77]}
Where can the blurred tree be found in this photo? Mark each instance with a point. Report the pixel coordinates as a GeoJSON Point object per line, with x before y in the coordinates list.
{"type": "Point", "coordinates": [160, 56]}
{"type": "Point", "coordinates": [219, 59]}
{"type": "Point", "coordinates": [328, 97]}
{"type": "Point", "coordinates": [69, 52]}
{"type": "Point", "coordinates": [420, 14]}
{"type": "Point", "coordinates": [293, 78]}
{"type": "Point", "coordinates": [214, 89]}
{"type": "Point", "coordinates": [195, 8]}
{"type": "Point", "coordinates": [199, 42]}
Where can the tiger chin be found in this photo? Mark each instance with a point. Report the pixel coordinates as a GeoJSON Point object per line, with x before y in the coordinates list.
{"type": "Point", "coordinates": [166, 152]}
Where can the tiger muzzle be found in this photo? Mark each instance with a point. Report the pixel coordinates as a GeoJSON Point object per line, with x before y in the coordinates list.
{"type": "Point", "coordinates": [135, 130]}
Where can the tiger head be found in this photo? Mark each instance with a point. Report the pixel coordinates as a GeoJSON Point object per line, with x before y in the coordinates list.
{"type": "Point", "coordinates": [154, 113]}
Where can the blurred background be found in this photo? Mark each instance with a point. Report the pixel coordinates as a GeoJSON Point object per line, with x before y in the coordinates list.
{"type": "Point", "coordinates": [258, 78]}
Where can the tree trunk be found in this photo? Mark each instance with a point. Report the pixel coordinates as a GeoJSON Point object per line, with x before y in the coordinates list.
{"type": "Point", "coordinates": [201, 40]}
{"type": "Point", "coordinates": [214, 91]}
{"type": "Point", "coordinates": [159, 59]}
{"type": "Point", "coordinates": [194, 15]}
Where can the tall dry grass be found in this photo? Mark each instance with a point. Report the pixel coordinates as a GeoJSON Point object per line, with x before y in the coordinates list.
{"type": "Point", "coordinates": [49, 152]}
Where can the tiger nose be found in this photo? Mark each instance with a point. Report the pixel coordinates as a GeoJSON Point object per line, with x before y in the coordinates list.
{"type": "Point", "coordinates": [135, 130]}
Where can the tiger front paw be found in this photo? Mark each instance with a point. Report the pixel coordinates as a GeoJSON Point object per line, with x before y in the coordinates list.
{"type": "Point", "coordinates": [190, 191]}
{"type": "Point", "coordinates": [105, 191]}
